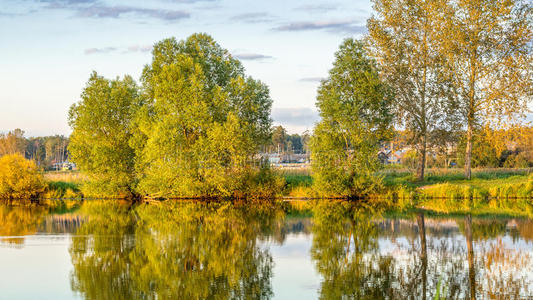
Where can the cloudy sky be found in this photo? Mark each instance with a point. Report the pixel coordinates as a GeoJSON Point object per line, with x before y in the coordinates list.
{"type": "Point", "coordinates": [49, 47]}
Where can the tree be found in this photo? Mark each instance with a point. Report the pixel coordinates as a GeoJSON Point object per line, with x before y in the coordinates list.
{"type": "Point", "coordinates": [306, 136]}
{"type": "Point", "coordinates": [203, 123]}
{"type": "Point", "coordinates": [402, 40]}
{"type": "Point", "coordinates": [101, 129]}
{"type": "Point", "coordinates": [354, 106]}
{"type": "Point", "coordinates": [279, 138]}
{"type": "Point", "coordinates": [486, 150]}
{"type": "Point", "coordinates": [489, 57]}
{"type": "Point", "coordinates": [56, 149]}
{"type": "Point", "coordinates": [296, 143]}
{"type": "Point", "coordinates": [13, 142]}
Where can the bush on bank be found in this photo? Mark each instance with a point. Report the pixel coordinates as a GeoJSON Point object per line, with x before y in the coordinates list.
{"type": "Point", "coordinates": [20, 178]}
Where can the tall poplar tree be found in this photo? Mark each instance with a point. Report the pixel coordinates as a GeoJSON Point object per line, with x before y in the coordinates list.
{"type": "Point", "coordinates": [489, 55]}
{"type": "Point", "coordinates": [402, 40]}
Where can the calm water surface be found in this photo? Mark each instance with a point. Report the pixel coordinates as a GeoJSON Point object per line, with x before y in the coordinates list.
{"type": "Point", "coordinates": [189, 250]}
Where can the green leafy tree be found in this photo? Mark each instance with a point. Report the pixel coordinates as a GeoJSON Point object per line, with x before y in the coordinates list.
{"type": "Point", "coordinates": [204, 122]}
{"type": "Point", "coordinates": [485, 152]}
{"type": "Point", "coordinates": [296, 143]}
{"type": "Point", "coordinates": [101, 129]}
{"type": "Point", "coordinates": [306, 137]}
{"type": "Point", "coordinates": [354, 107]}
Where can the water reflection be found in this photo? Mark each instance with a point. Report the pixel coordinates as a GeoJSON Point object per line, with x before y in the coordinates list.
{"type": "Point", "coordinates": [22, 218]}
{"type": "Point", "coordinates": [174, 251]}
{"type": "Point", "coordinates": [191, 250]}
{"type": "Point", "coordinates": [361, 256]}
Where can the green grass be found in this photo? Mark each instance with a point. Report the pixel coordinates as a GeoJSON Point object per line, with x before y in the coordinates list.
{"type": "Point", "coordinates": [298, 180]}
{"type": "Point", "coordinates": [435, 176]}
{"type": "Point", "coordinates": [298, 183]}
{"type": "Point", "coordinates": [63, 184]}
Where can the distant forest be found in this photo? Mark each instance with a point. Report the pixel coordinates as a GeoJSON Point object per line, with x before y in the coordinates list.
{"type": "Point", "coordinates": [510, 148]}
{"type": "Point", "coordinates": [45, 151]}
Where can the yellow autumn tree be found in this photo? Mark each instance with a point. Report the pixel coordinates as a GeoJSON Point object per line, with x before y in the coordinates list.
{"type": "Point", "coordinates": [19, 178]}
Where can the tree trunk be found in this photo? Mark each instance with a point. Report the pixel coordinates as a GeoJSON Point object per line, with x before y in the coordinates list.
{"type": "Point", "coordinates": [421, 159]}
{"type": "Point", "coordinates": [470, 117]}
{"type": "Point", "coordinates": [468, 154]}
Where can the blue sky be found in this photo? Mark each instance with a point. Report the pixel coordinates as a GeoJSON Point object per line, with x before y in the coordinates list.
{"type": "Point", "coordinates": [49, 47]}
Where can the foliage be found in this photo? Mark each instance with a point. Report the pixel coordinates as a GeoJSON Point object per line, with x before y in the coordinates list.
{"type": "Point", "coordinates": [19, 178]}
{"type": "Point", "coordinates": [487, 49]}
{"type": "Point", "coordinates": [62, 190]}
{"type": "Point", "coordinates": [203, 124]}
{"type": "Point", "coordinates": [12, 142]}
{"type": "Point", "coordinates": [402, 40]}
{"type": "Point", "coordinates": [48, 151]}
{"type": "Point", "coordinates": [283, 142]}
{"type": "Point", "coordinates": [45, 151]}
{"type": "Point", "coordinates": [354, 106]}
{"type": "Point", "coordinates": [410, 158]}
{"type": "Point", "coordinates": [485, 152]}
{"type": "Point", "coordinates": [101, 130]}
{"type": "Point", "coordinates": [509, 147]}
{"type": "Point", "coordinates": [279, 138]}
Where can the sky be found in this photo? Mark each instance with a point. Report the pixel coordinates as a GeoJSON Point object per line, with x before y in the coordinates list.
{"type": "Point", "coordinates": [48, 48]}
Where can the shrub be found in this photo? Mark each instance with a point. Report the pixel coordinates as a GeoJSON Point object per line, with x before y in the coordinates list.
{"type": "Point", "coordinates": [61, 189]}
{"type": "Point", "coordinates": [264, 183]}
{"type": "Point", "coordinates": [19, 178]}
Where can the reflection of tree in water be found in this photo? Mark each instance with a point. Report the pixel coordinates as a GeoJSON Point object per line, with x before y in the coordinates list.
{"type": "Point", "coordinates": [472, 265]}
{"type": "Point", "coordinates": [494, 272]}
{"type": "Point", "coordinates": [100, 251]}
{"type": "Point", "coordinates": [345, 251]}
{"type": "Point", "coordinates": [482, 229]}
{"type": "Point", "coordinates": [524, 230]}
{"type": "Point", "coordinates": [174, 251]}
{"type": "Point", "coordinates": [23, 217]}
{"type": "Point", "coordinates": [20, 220]}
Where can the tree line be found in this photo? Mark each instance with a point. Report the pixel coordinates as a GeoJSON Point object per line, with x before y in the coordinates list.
{"type": "Point", "coordinates": [45, 151]}
{"type": "Point", "coordinates": [493, 148]}
{"type": "Point", "coordinates": [453, 64]}
{"type": "Point", "coordinates": [283, 142]}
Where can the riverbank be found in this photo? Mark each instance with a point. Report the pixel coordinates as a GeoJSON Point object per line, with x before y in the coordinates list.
{"type": "Point", "coordinates": [489, 191]}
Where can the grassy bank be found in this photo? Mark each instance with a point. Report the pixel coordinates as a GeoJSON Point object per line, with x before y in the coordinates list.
{"type": "Point", "coordinates": [443, 190]}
